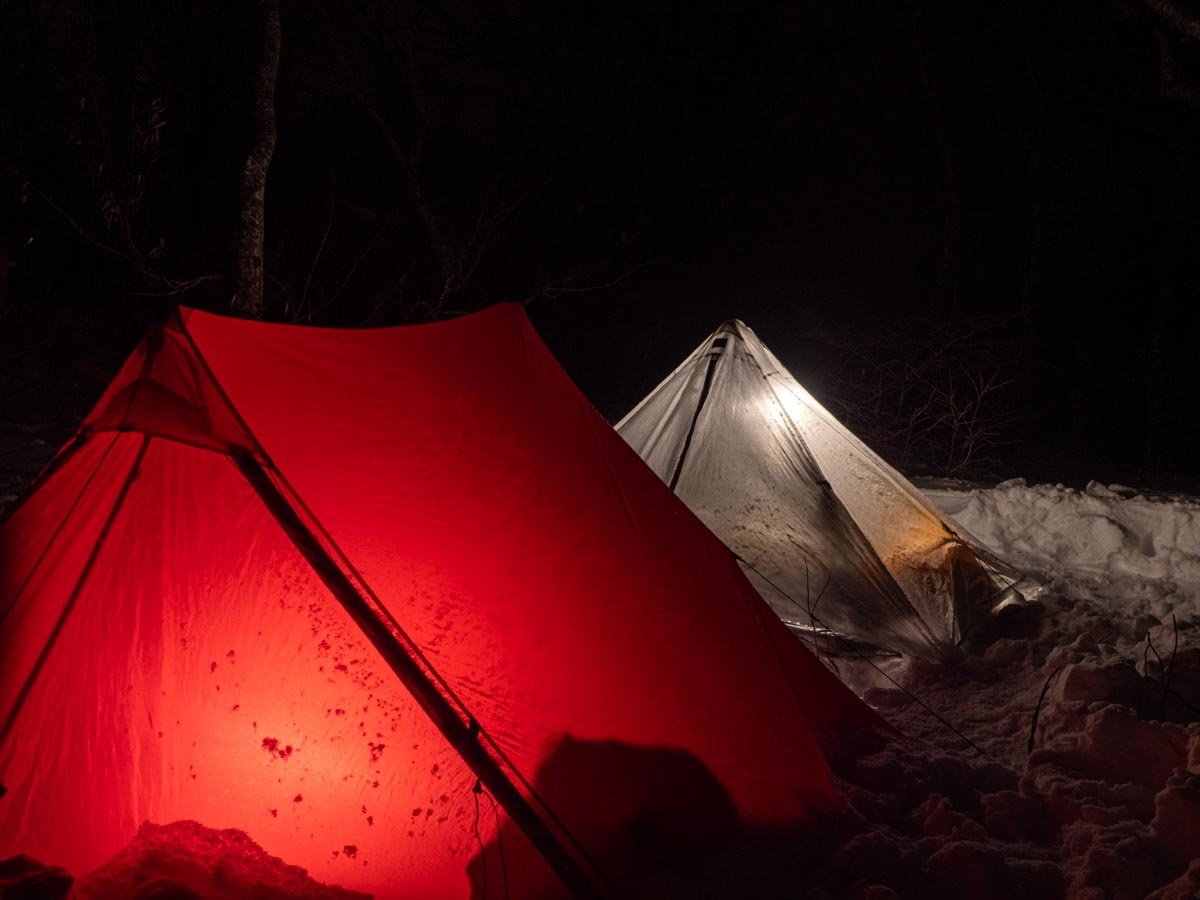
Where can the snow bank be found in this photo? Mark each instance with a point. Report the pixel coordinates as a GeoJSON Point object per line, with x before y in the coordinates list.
{"type": "Point", "coordinates": [1136, 550]}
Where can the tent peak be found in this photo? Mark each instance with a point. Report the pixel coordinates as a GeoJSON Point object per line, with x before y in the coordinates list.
{"type": "Point", "coordinates": [731, 326]}
{"type": "Point", "coordinates": [736, 329]}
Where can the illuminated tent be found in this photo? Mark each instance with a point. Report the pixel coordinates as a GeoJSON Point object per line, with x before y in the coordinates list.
{"type": "Point", "coordinates": [832, 537]}
{"type": "Point", "coordinates": [347, 591]}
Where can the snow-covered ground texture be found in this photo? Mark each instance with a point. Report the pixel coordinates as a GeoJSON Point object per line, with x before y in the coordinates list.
{"type": "Point", "coordinates": [1101, 799]}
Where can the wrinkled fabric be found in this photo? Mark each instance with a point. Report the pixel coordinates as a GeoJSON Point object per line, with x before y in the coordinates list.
{"type": "Point", "coordinates": [832, 536]}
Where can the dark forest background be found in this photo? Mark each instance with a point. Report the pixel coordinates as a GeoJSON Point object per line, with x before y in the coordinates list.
{"type": "Point", "coordinates": [969, 227]}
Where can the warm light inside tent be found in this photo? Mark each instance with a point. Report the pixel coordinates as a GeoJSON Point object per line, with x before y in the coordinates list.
{"type": "Point", "coordinates": [899, 527]}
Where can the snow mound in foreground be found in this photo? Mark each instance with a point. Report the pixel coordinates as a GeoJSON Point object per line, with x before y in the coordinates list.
{"type": "Point", "coordinates": [185, 859]}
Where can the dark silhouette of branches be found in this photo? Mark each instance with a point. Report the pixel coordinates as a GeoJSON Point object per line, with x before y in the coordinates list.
{"type": "Point", "coordinates": [1176, 30]}
{"type": "Point", "coordinates": [930, 395]}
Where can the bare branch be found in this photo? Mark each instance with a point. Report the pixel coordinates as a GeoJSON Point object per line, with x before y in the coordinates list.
{"type": "Point", "coordinates": [354, 268]}
{"type": "Point", "coordinates": [321, 246]}
{"type": "Point", "coordinates": [578, 284]}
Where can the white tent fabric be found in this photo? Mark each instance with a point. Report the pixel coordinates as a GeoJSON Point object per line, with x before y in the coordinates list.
{"type": "Point", "coordinates": [832, 536]}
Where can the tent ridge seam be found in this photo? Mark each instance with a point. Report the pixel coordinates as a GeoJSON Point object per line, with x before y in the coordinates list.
{"type": "Point", "coordinates": [713, 359]}
{"type": "Point", "coordinates": [54, 465]}
{"type": "Point", "coordinates": [73, 597]}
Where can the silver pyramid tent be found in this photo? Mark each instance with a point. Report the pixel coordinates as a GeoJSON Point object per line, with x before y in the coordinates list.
{"type": "Point", "coordinates": [834, 538]}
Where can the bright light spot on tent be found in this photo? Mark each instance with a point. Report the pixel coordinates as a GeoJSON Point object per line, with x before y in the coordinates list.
{"type": "Point", "coordinates": [786, 411]}
{"type": "Point", "coordinates": [907, 543]}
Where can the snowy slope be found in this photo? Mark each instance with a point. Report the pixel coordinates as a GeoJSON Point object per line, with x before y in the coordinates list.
{"type": "Point", "coordinates": [1129, 547]}
{"type": "Point", "coordinates": [1106, 804]}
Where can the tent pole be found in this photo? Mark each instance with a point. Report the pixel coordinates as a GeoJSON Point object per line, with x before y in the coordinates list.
{"type": "Point", "coordinates": [462, 735]}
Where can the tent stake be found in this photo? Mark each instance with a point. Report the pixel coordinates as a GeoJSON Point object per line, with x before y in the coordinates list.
{"type": "Point", "coordinates": [392, 647]}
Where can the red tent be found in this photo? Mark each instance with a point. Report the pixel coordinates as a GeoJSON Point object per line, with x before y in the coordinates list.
{"type": "Point", "coordinates": [347, 590]}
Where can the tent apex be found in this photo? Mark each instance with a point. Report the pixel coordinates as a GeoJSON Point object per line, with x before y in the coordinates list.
{"type": "Point", "coordinates": [730, 328]}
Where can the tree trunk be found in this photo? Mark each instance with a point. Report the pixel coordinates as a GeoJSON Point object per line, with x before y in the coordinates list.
{"type": "Point", "coordinates": [248, 278]}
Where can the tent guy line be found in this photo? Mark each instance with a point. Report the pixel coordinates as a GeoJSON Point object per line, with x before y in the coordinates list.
{"type": "Point", "coordinates": [849, 645]}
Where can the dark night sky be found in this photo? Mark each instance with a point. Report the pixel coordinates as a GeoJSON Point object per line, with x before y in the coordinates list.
{"type": "Point", "coordinates": [830, 173]}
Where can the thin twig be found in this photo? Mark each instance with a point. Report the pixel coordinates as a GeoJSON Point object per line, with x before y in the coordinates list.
{"type": "Point", "coordinates": [1037, 710]}
{"type": "Point", "coordinates": [321, 246]}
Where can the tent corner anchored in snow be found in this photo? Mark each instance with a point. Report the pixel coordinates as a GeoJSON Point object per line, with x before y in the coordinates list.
{"type": "Point", "coordinates": [829, 533]}
{"type": "Point", "coordinates": [342, 589]}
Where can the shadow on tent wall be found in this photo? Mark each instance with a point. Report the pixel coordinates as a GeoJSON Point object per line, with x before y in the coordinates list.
{"type": "Point", "coordinates": [683, 838]}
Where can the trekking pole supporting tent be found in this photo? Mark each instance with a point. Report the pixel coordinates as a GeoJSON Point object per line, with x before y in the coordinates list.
{"type": "Point", "coordinates": [462, 735]}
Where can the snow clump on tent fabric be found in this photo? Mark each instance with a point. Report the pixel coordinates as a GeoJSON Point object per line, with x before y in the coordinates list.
{"type": "Point", "coordinates": [186, 859]}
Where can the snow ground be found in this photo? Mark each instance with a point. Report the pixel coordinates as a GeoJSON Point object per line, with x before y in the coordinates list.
{"type": "Point", "coordinates": [1102, 798]}
{"type": "Point", "coordinates": [1138, 553]}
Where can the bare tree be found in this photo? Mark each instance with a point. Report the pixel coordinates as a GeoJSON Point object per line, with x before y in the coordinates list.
{"type": "Point", "coordinates": [1175, 28]}
{"type": "Point", "coordinates": [928, 394]}
{"type": "Point", "coordinates": [405, 96]}
{"type": "Point", "coordinates": [438, 76]}
{"type": "Point", "coordinates": [248, 273]}
{"type": "Point", "coordinates": [108, 96]}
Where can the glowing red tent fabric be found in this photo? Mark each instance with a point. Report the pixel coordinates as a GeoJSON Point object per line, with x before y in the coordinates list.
{"type": "Point", "coordinates": [167, 652]}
